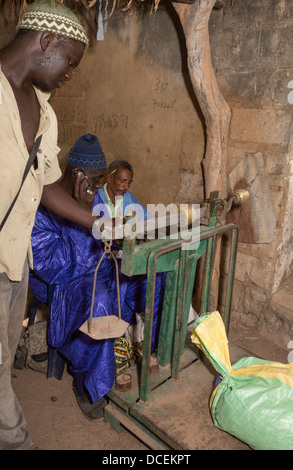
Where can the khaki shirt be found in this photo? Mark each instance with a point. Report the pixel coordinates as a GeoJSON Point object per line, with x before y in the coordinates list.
{"type": "Point", "coordinates": [16, 233]}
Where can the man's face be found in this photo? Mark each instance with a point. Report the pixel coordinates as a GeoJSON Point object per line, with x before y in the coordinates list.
{"type": "Point", "coordinates": [119, 182]}
{"type": "Point", "coordinates": [95, 178]}
{"type": "Point", "coordinates": [57, 63]}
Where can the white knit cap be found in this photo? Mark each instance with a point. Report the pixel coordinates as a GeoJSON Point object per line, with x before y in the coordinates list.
{"type": "Point", "coordinates": [51, 15]}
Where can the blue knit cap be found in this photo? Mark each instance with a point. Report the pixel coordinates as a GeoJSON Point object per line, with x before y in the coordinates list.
{"type": "Point", "coordinates": [87, 153]}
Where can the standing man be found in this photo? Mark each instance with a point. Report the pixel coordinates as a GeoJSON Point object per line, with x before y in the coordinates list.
{"type": "Point", "coordinates": [49, 44]}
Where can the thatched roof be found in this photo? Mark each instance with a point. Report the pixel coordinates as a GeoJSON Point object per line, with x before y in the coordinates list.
{"type": "Point", "coordinates": [14, 8]}
{"type": "Point", "coordinates": [87, 10]}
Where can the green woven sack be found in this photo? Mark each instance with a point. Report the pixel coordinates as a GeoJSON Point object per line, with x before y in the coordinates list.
{"type": "Point", "coordinates": [253, 400]}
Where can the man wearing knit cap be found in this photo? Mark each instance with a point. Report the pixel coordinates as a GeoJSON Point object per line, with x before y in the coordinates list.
{"type": "Point", "coordinates": [51, 15]}
{"type": "Point", "coordinates": [49, 44]}
{"type": "Point", "coordinates": [66, 255]}
{"type": "Point", "coordinates": [86, 160]}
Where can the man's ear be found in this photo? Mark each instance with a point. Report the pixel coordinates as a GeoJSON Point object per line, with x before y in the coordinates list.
{"type": "Point", "coordinates": [46, 40]}
{"type": "Point", "coordinates": [108, 178]}
{"type": "Point", "coordinates": [75, 172]}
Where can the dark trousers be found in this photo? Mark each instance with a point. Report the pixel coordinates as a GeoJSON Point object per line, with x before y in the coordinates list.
{"type": "Point", "coordinates": [14, 434]}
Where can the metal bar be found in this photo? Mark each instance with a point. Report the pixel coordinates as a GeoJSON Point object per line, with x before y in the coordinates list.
{"type": "Point", "coordinates": [192, 264]}
{"type": "Point", "coordinates": [182, 286]}
{"type": "Point", "coordinates": [149, 313]}
{"type": "Point", "coordinates": [230, 278]}
{"type": "Point", "coordinates": [165, 344]}
{"type": "Point", "coordinates": [215, 239]}
{"type": "Point", "coordinates": [207, 277]}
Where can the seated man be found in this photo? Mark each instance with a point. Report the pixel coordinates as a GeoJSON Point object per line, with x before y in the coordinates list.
{"type": "Point", "coordinates": [115, 201]}
{"type": "Point", "coordinates": [115, 192]}
{"type": "Point", "coordinates": [65, 255]}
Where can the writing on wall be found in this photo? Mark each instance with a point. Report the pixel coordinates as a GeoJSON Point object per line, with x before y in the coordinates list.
{"type": "Point", "coordinates": [112, 120]}
{"type": "Point", "coordinates": [160, 87]}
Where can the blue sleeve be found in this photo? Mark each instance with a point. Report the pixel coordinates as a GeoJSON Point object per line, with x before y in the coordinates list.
{"type": "Point", "coordinates": [131, 202]}
{"type": "Point", "coordinates": [62, 250]}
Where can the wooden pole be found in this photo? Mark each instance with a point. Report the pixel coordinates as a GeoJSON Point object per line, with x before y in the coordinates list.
{"type": "Point", "coordinates": [195, 22]}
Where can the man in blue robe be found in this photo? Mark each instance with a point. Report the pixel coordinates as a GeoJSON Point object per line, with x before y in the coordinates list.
{"type": "Point", "coordinates": [65, 256]}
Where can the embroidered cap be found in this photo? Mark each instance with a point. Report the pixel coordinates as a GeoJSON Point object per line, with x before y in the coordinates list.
{"type": "Point", "coordinates": [53, 16]}
{"type": "Point", "coordinates": [87, 153]}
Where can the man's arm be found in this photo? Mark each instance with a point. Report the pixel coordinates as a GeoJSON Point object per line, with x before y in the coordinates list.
{"type": "Point", "coordinates": [57, 200]}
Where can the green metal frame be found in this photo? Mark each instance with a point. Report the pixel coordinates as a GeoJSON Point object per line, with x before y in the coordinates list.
{"type": "Point", "coordinates": [150, 258]}
{"type": "Point", "coordinates": [180, 282]}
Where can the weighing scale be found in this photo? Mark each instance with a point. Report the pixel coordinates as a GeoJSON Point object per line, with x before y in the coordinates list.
{"type": "Point", "coordinates": [163, 400]}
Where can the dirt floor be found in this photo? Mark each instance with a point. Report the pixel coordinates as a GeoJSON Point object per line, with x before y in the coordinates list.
{"type": "Point", "coordinates": [56, 422]}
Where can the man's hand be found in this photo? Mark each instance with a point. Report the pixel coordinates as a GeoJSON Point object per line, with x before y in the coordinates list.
{"type": "Point", "coordinates": [85, 197]}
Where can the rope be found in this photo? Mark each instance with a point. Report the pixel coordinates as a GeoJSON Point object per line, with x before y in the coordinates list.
{"type": "Point", "coordinates": [107, 249]}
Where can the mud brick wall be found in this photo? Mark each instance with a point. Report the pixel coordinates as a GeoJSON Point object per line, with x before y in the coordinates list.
{"type": "Point", "coordinates": [69, 104]}
{"type": "Point", "coordinates": [252, 45]}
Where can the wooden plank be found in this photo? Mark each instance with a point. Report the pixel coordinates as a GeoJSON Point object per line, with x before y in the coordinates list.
{"type": "Point", "coordinates": [113, 412]}
{"type": "Point", "coordinates": [179, 410]}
